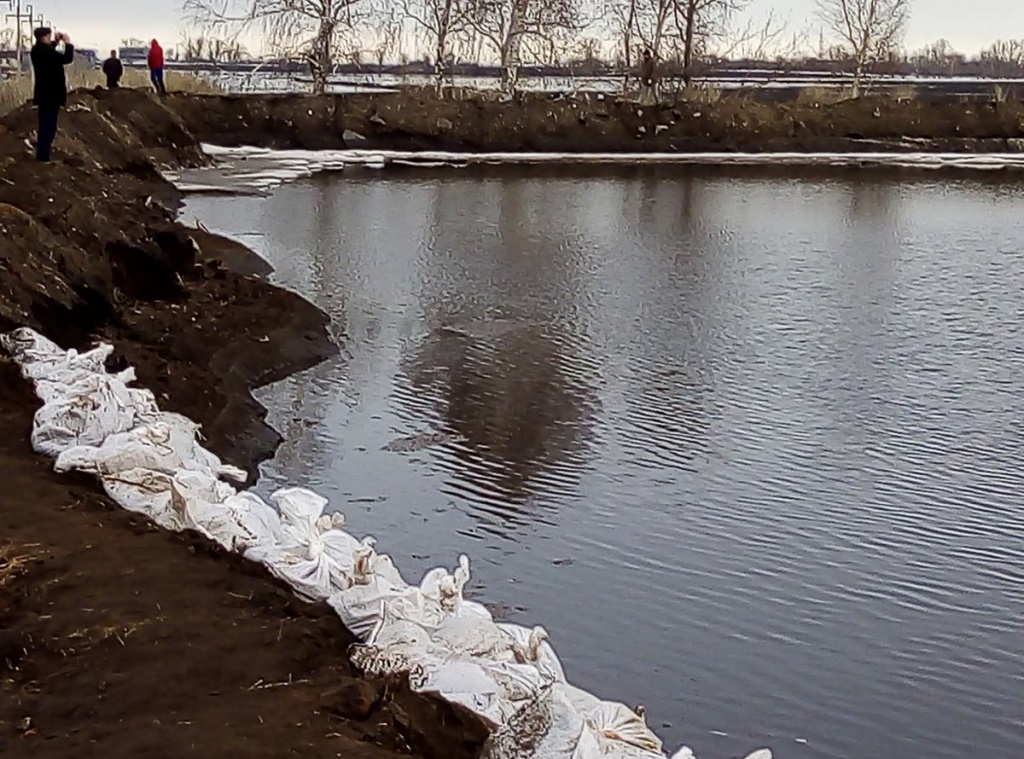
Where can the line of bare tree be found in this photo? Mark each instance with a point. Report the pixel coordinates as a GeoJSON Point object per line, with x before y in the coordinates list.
{"type": "Point", "coordinates": [683, 33]}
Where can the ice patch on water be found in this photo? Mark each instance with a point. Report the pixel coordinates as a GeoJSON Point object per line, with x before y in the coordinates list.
{"type": "Point", "coordinates": [249, 169]}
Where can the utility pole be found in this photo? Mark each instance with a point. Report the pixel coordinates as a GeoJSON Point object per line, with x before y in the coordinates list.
{"type": "Point", "coordinates": [17, 27]}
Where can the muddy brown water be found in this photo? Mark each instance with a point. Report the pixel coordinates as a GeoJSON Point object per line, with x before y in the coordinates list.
{"type": "Point", "coordinates": [750, 446]}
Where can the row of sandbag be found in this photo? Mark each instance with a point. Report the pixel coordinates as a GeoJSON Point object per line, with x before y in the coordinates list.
{"type": "Point", "coordinates": [151, 462]}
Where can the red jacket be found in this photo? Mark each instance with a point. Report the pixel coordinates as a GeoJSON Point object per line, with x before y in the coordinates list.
{"type": "Point", "coordinates": [156, 56]}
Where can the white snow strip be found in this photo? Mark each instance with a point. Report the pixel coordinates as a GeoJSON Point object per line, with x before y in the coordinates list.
{"type": "Point", "coordinates": [261, 169]}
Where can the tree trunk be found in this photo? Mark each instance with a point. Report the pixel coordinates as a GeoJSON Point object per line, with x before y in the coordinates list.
{"type": "Point", "coordinates": [858, 74]}
{"type": "Point", "coordinates": [691, 20]}
{"type": "Point", "coordinates": [511, 52]}
{"type": "Point", "coordinates": [321, 59]}
{"type": "Point", "coordinates": [627, 45]}
{"type": "Point", "coordinates": [440, 59]}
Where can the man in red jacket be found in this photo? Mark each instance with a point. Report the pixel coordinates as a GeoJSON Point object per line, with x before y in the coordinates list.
{"type": "Point", "coordinates": [156, 66]}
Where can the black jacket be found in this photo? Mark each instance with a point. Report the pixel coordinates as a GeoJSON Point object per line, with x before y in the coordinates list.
{"type": "Point", "coordinates": [113, 68]}
{"type": "Point", "coordinates": [51, 90]}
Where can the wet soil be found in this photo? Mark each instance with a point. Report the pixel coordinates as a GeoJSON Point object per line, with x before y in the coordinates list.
{"type": "Point", "coordinates": [419, 119]}
{"type": "Point", "coordinates": [116, 638]}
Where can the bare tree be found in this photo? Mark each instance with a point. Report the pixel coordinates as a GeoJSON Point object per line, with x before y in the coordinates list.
{"type": "Point", "coordinates": [387, 32]}
{"type": "Point", "coordinates": [512, 26]}
{"type": "Point", "coordinates": [939, 55]}
{"type": "Point", "coordinates": [441, 22]}
{"type": "Point", "coordinates": [311, 28]}
{"type": "Point", "coordinates": [869, 30]}
{"type": "Point", "coordinates": [673, 29]}
{"type": "Point", "coordinates": [698, 23]}
{"type": "Point", "coordinates": [1005, 56]}
{"type": "Point", "coordinates": [620, 21]}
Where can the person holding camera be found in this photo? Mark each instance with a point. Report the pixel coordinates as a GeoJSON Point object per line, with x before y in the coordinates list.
{"type": "Point", "coordinates": [51, 87]}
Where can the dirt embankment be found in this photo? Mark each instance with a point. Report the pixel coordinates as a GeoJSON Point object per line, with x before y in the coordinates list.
{"type": "Point", "coordinates": [420, 120]}
{"type": "Point", "coordinates": [118, 639]}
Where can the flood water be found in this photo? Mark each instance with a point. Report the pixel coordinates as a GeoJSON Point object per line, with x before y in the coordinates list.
{"type": "Point", "coordinates": [749, 446]}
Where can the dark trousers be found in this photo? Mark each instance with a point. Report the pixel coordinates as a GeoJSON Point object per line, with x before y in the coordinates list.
{"type": "Point", "coordinates": [157, 77]}
{"type": "Point", "coordinates": [48, 116]}
{"type": "Point", "coordinates": [113, 82]}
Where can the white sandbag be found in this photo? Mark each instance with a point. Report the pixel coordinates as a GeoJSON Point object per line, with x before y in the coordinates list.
{"type": "Point", "coordinates": [260, 523]}
{"type": "Point", "coordinates": [446, 588]}
{"type": "Point", "coordinates": [28, 347]}
{"type": "Point", "coordinates": [166, 444]}
{"type": "Point", "coordinates": [532, 646]}
{"type": "Point", "coordinates": [361, 605]}
{"type": "Point", "coordinates": [474, 637]}
{"type": "Point", "coordinates": [314, 555]}
{"type": "Point", "coordinates": [142, 491]}
{"type": "Point", "coordinates": [569, 723]}
{"type": "Point", "coordinates": [685, 752]}
{"type": "Point", "coordinates": [197, 503]}
{"type": "Point", "coordinates": [619, 724]}
{"type": "Point", "coordinates": [99, 407]}
{"type": "Point", "coordinates": [70, 364]}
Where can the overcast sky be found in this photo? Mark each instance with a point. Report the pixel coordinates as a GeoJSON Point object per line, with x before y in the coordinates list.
{"type": "Point", "coordinates": [103, 23]}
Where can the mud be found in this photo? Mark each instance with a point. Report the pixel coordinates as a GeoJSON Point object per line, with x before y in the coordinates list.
{"type": "Point", "coordinates": [418, 119]}
{"type": "Point", "coordinates": [118, 639]}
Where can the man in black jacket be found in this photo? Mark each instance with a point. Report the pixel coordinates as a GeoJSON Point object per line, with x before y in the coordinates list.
{"type": "Point", "coordinates": [114, 70]}
{"type": "Point", "coordinates": [51, 90]}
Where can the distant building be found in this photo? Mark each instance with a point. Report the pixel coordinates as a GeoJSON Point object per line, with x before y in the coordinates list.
{"type": "Point", "coordinates": [133, 56]}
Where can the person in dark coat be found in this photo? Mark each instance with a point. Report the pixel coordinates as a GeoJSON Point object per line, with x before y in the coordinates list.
{"type": "Point", "coordinates": [51, 88]}
{"type": "Point", "coordinates": [648, 78]}
{"type": "Point", "coordinates": [114, 70]}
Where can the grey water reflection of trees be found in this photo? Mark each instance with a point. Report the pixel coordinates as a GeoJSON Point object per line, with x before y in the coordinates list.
{"type": "Point", "coordinates": [506, 365]}
{"type": "Point", "coordinates": [312, 243]}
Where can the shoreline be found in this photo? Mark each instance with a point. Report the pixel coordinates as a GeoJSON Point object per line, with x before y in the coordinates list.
{"type": "Point", "coordinates": [484, 122]}
{"type": "Point", "coordinates": [116, 636]}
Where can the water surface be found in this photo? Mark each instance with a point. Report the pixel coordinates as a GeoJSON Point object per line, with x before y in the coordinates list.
{"type": "Point", "coordinates": [749, 446]}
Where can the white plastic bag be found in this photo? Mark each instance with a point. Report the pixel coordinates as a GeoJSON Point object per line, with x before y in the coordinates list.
{"type": "Point", "coordinates": [166, 444]}
{"type": "Point", "coordinates": [314, 556]}
{"type": "Point", "coordinates": [197, 503]}
{"type": "Point", "coordinates": [532, 646]}
{"type": "Point", "coordinates": [93, 409]}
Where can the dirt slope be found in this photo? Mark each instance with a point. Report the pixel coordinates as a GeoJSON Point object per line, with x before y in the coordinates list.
{"type": "Point", "coordinates": [117, 639]}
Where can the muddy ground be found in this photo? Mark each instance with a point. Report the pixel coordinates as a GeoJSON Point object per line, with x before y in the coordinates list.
{"type": "Point", "coordinates": [418, 119]}
{"type": "Point", "coordinates": [118, 639]}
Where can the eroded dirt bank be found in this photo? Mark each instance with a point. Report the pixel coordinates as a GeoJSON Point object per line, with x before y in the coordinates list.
{"type": "Point", "coordinates": [117, 639]}
{"type": "Point", "coordinates": [420, 120]}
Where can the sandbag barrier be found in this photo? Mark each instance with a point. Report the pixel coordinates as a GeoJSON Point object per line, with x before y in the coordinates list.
{"type": "Point", "coordinates": [151, 462]}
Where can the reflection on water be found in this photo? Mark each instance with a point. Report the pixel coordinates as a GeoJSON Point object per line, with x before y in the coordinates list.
{"type": "Point", "coordinates": [749, 446]}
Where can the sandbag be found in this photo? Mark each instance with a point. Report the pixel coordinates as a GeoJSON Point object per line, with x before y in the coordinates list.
{"type": "Point", "coordinates": [143, 491]}
{"type": "Point", "coordinates": [197, 503]}
{"type": "Point", "coordinates": [532, 646]}
{"type": "Point", "coordinates": [92, 410]}
{"type": "Point", "coordinates": [361, 605]}
{"type": "Point", "coordinates": [166, 444]}
{"type": "Point", "coordinates": [314, 555]}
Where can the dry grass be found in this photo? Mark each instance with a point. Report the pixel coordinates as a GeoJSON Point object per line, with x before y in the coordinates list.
{"type": "Point", "coordinates": [815, 96]}
{"type": "Point", "coordinates": [18, 89]}
{"type": "Point", "coordinates": [13, 562]}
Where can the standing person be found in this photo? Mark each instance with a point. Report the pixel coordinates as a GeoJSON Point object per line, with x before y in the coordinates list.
{"type": "Point", "coordinates": [114, 70]}
{"type": "Point", "coordinates": [51, 89]}
{"type": "Point", "coordinates": [648, 78]}
{"type": "Point", "coordinates": [156, 66]}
